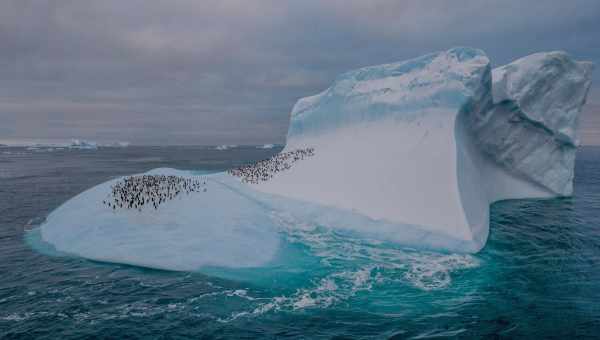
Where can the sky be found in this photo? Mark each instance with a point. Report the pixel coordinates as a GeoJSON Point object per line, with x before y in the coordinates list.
{"type": "Point", "coordinates": [228, 72]}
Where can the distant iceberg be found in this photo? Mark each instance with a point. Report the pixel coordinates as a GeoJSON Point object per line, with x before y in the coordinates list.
{"type": "Point", "coordinates": [266, 146]}
{"type": "Point", "coordinates": [225, 147]}
{"type": "Point", "coordinates": [83, 145]}
{"type": "Point", "coordinates": [60, 144]}
{"type": "Point", "coordinates": [412, 152]}
{"type": "Point", "coordinates": [117, 144]}
{"type": "Point", "coordinates": [91, 145]}
{"type": "Point", "coordinates": [428, 144]}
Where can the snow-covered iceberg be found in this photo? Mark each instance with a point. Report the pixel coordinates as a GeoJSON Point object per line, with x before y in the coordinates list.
{"type": "Point", "coordinates": [411, 152]}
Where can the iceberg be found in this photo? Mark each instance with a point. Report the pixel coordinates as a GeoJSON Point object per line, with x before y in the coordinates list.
{"type": "Point", "coordinates": [265, 146]}
{"type": "Point", "coordinates": [75, 144]}
{"type": "Point", "coordinates": [412, 152]}
{"type": "Point", "coordinates": [428, 144]}
{"type": "Point", "coordinates": [116, 144]}
{"type": "Point", "coordinates": [82, 145]}
{"type": "Point", "coordinates": [225, 147]}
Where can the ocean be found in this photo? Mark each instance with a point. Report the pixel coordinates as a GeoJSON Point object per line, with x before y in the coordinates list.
{"type": "Point", "coordinates": [537, 277]}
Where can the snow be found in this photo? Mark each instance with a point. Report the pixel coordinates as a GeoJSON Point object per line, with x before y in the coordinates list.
{"type": "Point", "coordinates": [411, 152]}
{"type": "Point", "coordinates": [399, 90]}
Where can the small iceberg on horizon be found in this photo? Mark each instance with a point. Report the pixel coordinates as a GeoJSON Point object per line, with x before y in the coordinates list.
{"type": "Point", "coordinates": [61, 144]}
{"type": "Point", "coordinates": [411, 153]}
{"type": "Point", "coordinates": [225, 147]}
{"type": "Point", "coordinates": [266, 146]}
{"type": "Point", "coordinates": [81, 144]}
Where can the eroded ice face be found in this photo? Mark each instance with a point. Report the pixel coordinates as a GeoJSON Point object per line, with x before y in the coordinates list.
{"type": "Point", "coordinates": [532, 127]}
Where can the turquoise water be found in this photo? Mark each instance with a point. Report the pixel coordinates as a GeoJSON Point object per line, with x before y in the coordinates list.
{"type": "Point", "coordinates": [538, 276]}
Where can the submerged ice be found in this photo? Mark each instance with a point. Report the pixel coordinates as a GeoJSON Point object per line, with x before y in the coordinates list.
{"type": "Point", "coordinates": [411, 153]}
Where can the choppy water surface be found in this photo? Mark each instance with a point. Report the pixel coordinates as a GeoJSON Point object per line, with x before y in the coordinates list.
{"type": "Point", "coordinates": [538, 276]}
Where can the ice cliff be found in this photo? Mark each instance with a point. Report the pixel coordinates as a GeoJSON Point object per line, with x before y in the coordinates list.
{"type": "Point", "coordinates": [411, 152]}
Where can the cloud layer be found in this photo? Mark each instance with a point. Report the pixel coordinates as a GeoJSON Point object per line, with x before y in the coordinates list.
{"type": "Point", "coordinates": [212, 72]}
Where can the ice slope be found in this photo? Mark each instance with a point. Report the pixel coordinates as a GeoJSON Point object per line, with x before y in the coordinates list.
{"type": "Point", "coordinates": [218, 227]}
{"type": "Point", "coordinates": [411, 152]}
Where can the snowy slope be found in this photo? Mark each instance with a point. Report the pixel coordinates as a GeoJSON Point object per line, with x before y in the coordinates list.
{"type": "Point", "coordinates": [218, 227]}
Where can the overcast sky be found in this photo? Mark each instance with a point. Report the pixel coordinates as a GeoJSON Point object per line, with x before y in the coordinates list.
{"type": "Point", "coordinates": [215, 72]}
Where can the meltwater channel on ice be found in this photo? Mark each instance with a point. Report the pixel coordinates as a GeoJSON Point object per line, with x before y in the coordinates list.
{"type": "Point", "coordinates": [412, 152]}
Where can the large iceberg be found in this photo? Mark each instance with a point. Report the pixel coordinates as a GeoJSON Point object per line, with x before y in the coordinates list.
{"type": "Point", "coordinates": [431, 142]}
{"type": "Point", "coordinates": [411, 152]}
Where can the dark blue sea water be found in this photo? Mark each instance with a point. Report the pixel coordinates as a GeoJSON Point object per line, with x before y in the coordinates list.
{"type": "Point", "coordinates": [538, 276]}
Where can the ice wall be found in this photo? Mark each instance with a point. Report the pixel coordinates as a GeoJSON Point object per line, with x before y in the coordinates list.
{"type": "Point", "coordinates": [386, 148]}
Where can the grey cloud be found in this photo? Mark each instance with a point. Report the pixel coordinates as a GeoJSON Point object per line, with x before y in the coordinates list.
{"type": "Point", "coordinates": [212, 72]}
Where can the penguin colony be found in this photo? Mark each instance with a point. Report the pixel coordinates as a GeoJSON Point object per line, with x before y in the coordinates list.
{"type": "Point", "coordinates": [150, 191]}
{"type": "Point", "coordinates": [265, 170]}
